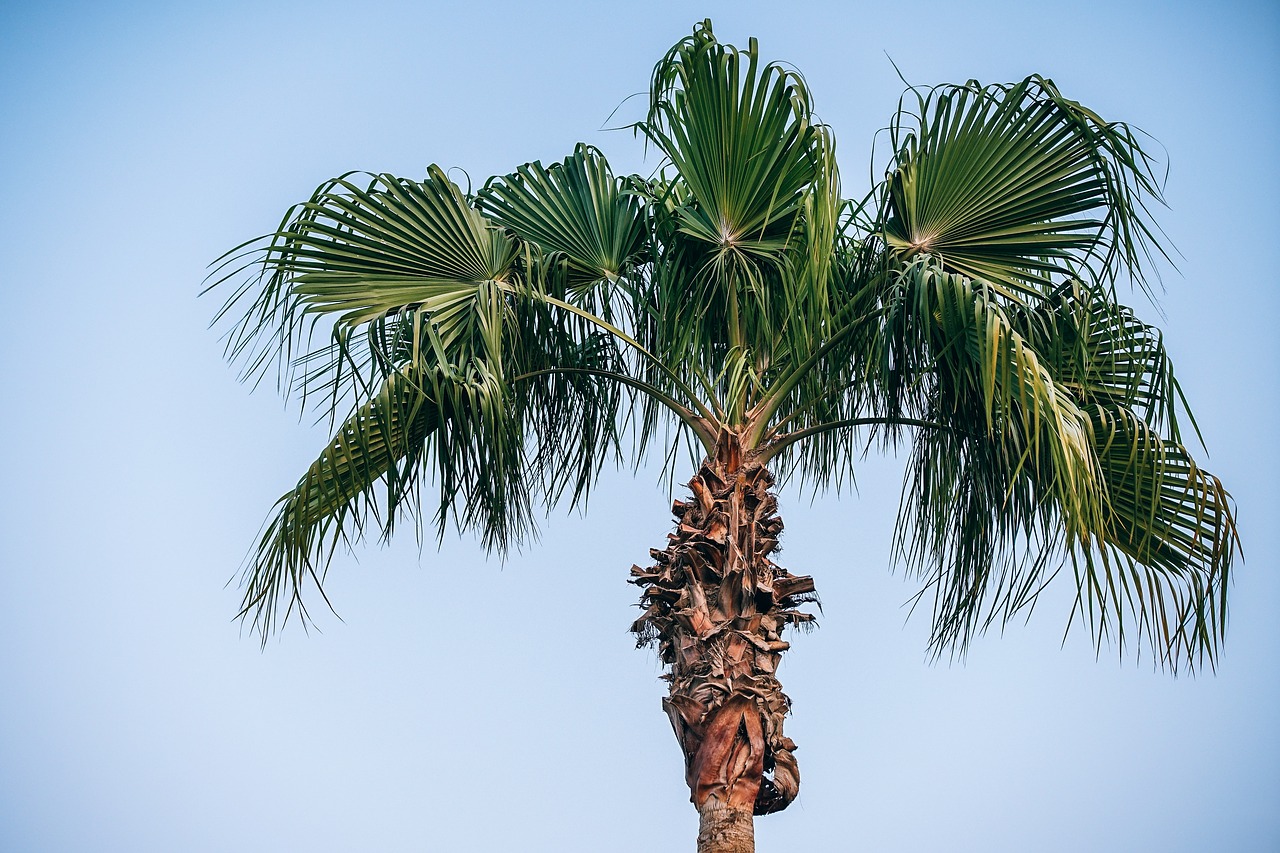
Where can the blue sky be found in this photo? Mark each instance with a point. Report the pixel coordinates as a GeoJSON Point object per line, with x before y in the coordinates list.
{"type": "Point", "coordinates": [140, 141]}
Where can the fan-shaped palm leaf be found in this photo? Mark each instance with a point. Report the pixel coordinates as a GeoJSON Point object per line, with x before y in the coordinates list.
{"type": "Point", "coordinates": [1105, 355]}
{"type": "Point", "coordinates": [576, 209]}
{"type": "Point", "coordinates": [1012, 183]}
{"type": "Point", "coordinates": [740, 136]}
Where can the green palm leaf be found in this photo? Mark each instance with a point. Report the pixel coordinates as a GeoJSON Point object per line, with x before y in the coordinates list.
{"type": "Point", "coordinates": [575, 209]}
{"type": "Point", "coordinates": [370, 256]}
{"type": "Point", "coordinates": [1033, 455]}
{"type": "Point", "coordinates": [744, 219]}
{"type": "Point", "coordinates": [1166, 552]}
{"type": "Point", "coordinates": [1014, 183]}
{"type": "Point", "coordinates": [1006, 472]}
{"type": "Point", "coordinates": [365, 253]}
{"type": "Point", "coordinates": [378, 442]}
{"type": "Point", "coordinates": [1106, 356]}
{"type": "Point", "coordinates": [499, 347]}
{"type": "Point", "coordinates": [740, 135]}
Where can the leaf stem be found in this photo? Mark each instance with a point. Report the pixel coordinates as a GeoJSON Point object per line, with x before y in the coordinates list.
{"type": "Point", "coordinates": [784, 441]}
{"type": "Point", "coordinates": [680, 384]}
{"type": "Point", "coordinates": [700, 426]}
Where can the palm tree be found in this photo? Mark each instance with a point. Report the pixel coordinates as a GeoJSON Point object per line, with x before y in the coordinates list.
{"type": "Point", "coordinates": [497, 349]}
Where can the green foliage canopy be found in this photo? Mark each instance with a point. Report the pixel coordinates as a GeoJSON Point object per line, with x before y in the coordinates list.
{"type": "Point", "coordinates": [498, 349]}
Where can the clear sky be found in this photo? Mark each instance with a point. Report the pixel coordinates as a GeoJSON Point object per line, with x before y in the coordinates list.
{"type": "Point", "coordinates": [467, 705]}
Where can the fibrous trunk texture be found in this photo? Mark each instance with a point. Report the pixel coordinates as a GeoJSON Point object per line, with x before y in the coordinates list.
{"type": "Point", "coordinates": [725, 830]}
{"type": "Point", "coordinates": [716, 606]}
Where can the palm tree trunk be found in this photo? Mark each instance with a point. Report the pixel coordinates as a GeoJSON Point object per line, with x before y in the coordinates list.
{"type": "Point", "coordinates": [725, 830]}
{"type": "Point", "coordinates": [716, 605]}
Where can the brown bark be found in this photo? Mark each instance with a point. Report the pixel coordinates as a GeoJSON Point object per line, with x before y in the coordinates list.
{"type": "Point", "coordinates": [716, 606]}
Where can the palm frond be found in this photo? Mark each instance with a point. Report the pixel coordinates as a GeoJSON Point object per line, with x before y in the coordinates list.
{"type": "Point", "coordinates": [1043, 448]}
{"type": "Point", "coordinates": [380, 441]}
{"type": "Point", "coordinates": [1007, 474]}
{"type": "Point", "coordinates": [1013, 183]}
{"type": "Point", "coordinates": [1164, 558]}
{"type": "Point", "coordinates": [743, 218]}
{"type": "Point", "coordinates": [1105, 355]}
{"type": "Point", "coordinates": [740, 135]}
{"type": "Point", "coordinates": [365, 253]}
{"type": "Point", "coordinates": [575, 209]}
{"type": "Point", "coordinates": [356, 255]}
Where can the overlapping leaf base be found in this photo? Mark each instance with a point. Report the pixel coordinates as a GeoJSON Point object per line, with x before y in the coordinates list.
{"type": "Point", "coordinates": [716, 606]}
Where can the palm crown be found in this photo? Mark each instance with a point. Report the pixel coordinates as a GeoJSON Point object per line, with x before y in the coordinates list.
{"type": "Point", "coordinates": [500, 348]}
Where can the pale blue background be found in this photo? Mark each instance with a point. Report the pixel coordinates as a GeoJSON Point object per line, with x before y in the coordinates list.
{"type": "Point", "coordinates": [464, 705]}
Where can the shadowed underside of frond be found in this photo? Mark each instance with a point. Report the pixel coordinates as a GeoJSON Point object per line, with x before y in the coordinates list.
{"type": "Point", "coordinates": [1046, 449]}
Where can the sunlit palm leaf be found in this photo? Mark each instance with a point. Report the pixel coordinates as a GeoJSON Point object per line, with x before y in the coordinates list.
{"type": "Point", "coordinates": [1012, 183]}
{"type": "Point", "coordinates": [740, 135]}
{"type": "Point", "coordinates": [576, 209]}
